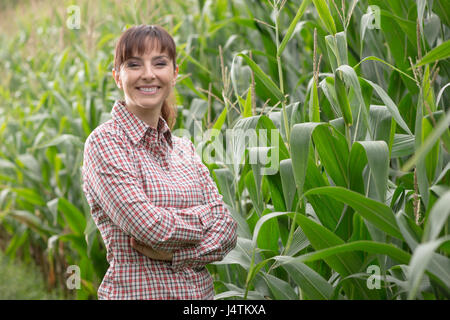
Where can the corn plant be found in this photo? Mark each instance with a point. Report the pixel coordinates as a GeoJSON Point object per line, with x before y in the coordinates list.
{"type": "Point", "coordinates": [345, 200]}
{"type": "Point", "coordinates": [347, 100]}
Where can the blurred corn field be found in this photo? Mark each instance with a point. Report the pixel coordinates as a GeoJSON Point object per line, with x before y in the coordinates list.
{"type": "Point", "coordinates": [359, 205]}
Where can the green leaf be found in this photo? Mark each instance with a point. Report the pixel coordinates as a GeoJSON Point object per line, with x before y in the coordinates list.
{"type": "Point", "coordinates": [280, 289]}
{"type": "Point", "coordinates": [90, 234]}
{"type": "Point", "coordinates": [331, 146]}
{"type": "Point", "coordinates": [342, 99]}
{"type": "Point", "coordinates": [360, 245]}
{"type": "Point", "coordinates": [219, 122]}
{"type": "Point", "coordinates": [333, 151]}
{"type": "Point", "coordinates": [300, 140]}
{"type": "Point", "coordinates": [376, 155]}
{"type": "Point", "coordinates": [244, 22]}
{"type": "Point", "coordinates": [381, 121]}
{"type": "Point", "coordinates": [341, 46]}
{"type": "Point", "coordinates": [373, 211]}
{"type": "Point", "coordinates": [345, 263]}
{"type": "Point", "coordinates": [266, 217]}
{"type": "Point", "coordinates": [299, 242]}
{"type": "Point", "coordinates": [275, 190]}
{"type": "Point", "coordinates": [16, 242]}
{"type": "Point", "coordinates": [269, 234]}
{"type": "Point", "coordinates": [419, 262]}
{"type": "Point", "coordinates": [252, 131]}
{"type": "Point", "coordinates": [84, 122]}
{"type": "Point", "coordinates": [432, 157]}
{"type": "Point", "coordinates": [327, 86]}
{"type": "Point", "coordinates": [325, 15]}
{"type": "Point", "coordinates": [196, 113]}
{"type": "Point", "coordinates": [372, 58]}
{"type": "Point", "coordinates": [438, 53]}
{"type": "Point", "coordinates": [322, 238]}
{"type": "Point", "coordinates": [254, 192]}
{"type": "Point", "coordinates": [31, 221]}
{"type": "Point", "coordinates": [437, 218]}
{"type": "Point", "coordinates": [307, 175]}
{"type": "Point", "coordinates": [248, 104]}
{"type": "Point", "coordinates": [225, 185]}
{"type": "Point", "coordinates": [287, 182]}
{"type": "Point", "coordinates": [292, 26]}
{"type": "Point", "coordinates": [5, 164]}
{"type": "Point", "coordinates": [293, 114]}
{"type": "Point", "coordinates": [314, 109]}
{"type": "Point", "coordinates": [442, 10]}
{"type": "Point", "coordinates": [74, 217]}
{"type": "Point", "coordinates": [421, 174]}
{"type": "Point", "coordinates": [351, 79]}
{"type": "Point", "coordinates": [62, 139]}
{"type": "Point", "coordinates": [243, 229]}
{"type": "Point", "coordinates": [403, 145]}
{"type": "Point", "coordinates": [241, 254]}
{"type": "Point", "coordinates": [311, 283]}
{"type": "Point", "coordinates": [29, 195]}
{"type": "Point", "coordinates": [438, 265]}
{"type": "Point", "coordinates": [261, 76]}
{"type": "Point", "coordinates": [77, 242]}
{"type": "Point", "coordinates": [390, 105]}
{"type": "Point", "coordinates": [427, 145]}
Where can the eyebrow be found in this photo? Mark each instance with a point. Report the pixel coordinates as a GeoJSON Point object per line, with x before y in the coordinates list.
{"type": "Point", "coordinates": [154, 58]}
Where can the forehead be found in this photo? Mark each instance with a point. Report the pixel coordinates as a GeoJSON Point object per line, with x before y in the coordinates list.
{"type": "Point", "coordinates": [146, 47]}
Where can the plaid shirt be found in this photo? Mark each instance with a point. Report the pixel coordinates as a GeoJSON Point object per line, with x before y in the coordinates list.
{"type": "Point", "coordinates": [144, 183]}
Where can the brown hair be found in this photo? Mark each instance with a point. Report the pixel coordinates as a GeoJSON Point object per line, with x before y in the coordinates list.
{"type": "Point", "coordinates": [135, 40]}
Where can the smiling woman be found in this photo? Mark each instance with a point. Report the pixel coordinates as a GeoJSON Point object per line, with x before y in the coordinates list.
{"type": "Point", "coordinates": [145, 69]}
{"type": "Point", "coordinates": [158, 210]}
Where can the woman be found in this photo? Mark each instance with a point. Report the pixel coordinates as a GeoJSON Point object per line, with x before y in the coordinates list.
{"type": "Point", "coordinates": [157, 208]}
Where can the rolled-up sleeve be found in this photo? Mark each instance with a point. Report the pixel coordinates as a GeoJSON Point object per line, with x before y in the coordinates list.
{"type": "Point", "coordinates": [220, 236]}
{"type": "Point", "coordinates": [111, 177]}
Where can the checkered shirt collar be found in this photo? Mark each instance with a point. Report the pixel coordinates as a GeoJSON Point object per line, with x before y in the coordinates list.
{"type": "Point", "coordinates": [136, 128]}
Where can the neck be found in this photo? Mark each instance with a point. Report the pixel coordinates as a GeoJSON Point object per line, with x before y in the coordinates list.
{"type": "Point", "coordinates": [149, 116]}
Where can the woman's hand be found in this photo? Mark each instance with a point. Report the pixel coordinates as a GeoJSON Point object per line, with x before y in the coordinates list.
{"type": "Point", "coordinates": [150, 252]}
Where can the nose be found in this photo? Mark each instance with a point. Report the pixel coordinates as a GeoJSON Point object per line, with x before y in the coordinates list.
{"type": "Point", "coordinates": [148, 72]}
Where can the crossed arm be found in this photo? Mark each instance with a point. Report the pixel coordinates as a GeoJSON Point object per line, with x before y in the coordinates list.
{"type": "Point", "coordinates": [192, 236]}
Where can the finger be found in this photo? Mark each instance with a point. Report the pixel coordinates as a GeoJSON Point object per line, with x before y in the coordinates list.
{"type": "Point", "coordinates": [145, 250]}
{"type": "Point", "coordinates": [150, 252]}
{"type": "Point", "coordinates": [138, 247]}
{"type": "Point", "coordinates": [136, 244]}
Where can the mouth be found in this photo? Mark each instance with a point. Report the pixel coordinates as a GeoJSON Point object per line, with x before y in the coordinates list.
{"type": "Point", "coordinates": [148, 90]}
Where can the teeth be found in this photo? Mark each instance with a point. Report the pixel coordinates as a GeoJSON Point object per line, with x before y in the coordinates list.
{"type": "Point", "coordinates": [152, 89]}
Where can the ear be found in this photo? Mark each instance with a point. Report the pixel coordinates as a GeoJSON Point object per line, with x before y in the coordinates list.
{"type": "Point", "coordinates": [116, 76]}
{"type": "Point", "coordinates": [175, 75]}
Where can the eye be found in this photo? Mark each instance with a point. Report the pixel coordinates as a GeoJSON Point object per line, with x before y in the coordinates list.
{"type": "Point", "coordinates": [132, 65]}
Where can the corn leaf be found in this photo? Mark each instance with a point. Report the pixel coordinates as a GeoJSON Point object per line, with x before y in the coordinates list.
{"type": "Point", "coordinates": [280, 289]}
{"type": "Point", "coordinates": [292, 26]}
{"type": "Point", "coordinates": [325, 15]}
{"type": "Point", "coordinates": [288, 182]}
{"type": "Point", "coordinates": [373, 211]}
{"type": "Point", "coordinates": [440, 52]}
{"type": "Point", "coordinates": [312, 284]}
{"type": "Point", "coordinates": [376, 155]}
{"type": "Point", "coordinates": [437, 218]}
{"type": "Point", "coordinates": [345, 263]}
{"type": "Point", "coordinates": [75, 219]}
{"type": "Point", "coordinates": [261, 76]}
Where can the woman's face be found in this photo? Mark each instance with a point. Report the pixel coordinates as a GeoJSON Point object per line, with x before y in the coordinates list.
{"type": "Point", "coordinates": [147, 81]}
